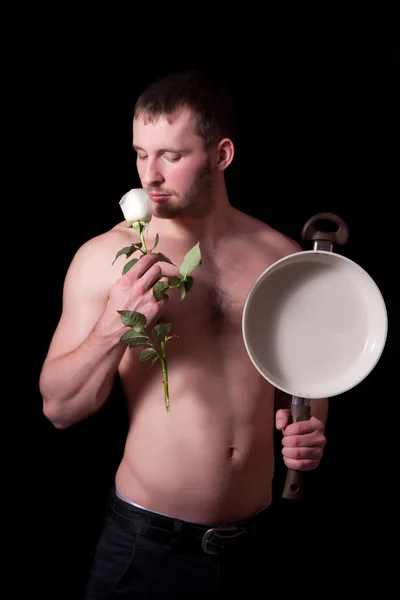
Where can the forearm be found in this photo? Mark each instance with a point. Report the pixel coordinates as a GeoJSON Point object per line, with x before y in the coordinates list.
{"type": "Point", "coordinates": [77, 384]}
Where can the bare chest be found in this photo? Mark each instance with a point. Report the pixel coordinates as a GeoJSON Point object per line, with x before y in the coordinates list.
{"type": "Point", "coordinates": [221, 284]}
{"type": "Point", "coordinates": [215, 302]}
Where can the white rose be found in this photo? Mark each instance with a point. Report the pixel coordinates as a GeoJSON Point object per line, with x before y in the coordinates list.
{"type": "Point", "coordinates": [136, 206]}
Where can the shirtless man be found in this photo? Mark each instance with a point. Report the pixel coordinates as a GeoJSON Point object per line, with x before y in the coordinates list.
{"type": "Point", "coordinates": [210, 461]}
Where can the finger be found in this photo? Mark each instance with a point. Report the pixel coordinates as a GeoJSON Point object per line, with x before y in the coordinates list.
{"type": "Point", "coordinates": [282, 418]}
{"type": "Point", "coordinates": [143, 265]}
{"type": "Point", "coordinates": [313, 453]}
{"type": "Point", "coordinates": [151, 276]}
{"type": "Point", "coordinates": [301, 465]}
{"type": "Point", "coordinates": [303, 427]}
{"type": "Point", "coordinates": [307, 440]}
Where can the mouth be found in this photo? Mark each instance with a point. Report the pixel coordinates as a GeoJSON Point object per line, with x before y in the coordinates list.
{"type": "Point", "coordinates": [158, 197]}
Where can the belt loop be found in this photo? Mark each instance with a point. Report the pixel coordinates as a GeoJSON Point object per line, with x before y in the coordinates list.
{"type": "Point", "coordinates": [176, 535]}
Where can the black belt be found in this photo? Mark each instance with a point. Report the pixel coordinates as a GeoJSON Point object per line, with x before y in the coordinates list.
{"type": "Point", "coordinates": [211, 539]}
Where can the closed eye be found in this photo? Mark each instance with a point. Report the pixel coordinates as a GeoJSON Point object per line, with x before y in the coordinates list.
{"type": "Point", "coordinates": [172, 157]}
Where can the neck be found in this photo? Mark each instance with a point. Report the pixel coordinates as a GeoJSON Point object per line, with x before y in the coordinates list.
{"type": "Point", "coordinates": [208, 228]}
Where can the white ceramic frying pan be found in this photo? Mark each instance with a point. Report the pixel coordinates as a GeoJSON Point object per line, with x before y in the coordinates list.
{"type": "Point", "coordinates": [314, 324]}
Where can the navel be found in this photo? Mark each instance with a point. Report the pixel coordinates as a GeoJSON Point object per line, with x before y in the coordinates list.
{"type": "Point", "coordinates": [232, 452]}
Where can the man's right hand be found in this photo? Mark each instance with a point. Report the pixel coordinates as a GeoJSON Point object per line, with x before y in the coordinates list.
{"type": "Point", "coordinates": [134, 290]}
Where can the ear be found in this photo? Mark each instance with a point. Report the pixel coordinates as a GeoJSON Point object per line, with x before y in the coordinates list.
{"type": "Point", "coordinates": [225, 154]}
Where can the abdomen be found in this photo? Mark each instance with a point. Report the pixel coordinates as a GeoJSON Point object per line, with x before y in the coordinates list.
{"type": "Point", "coordinates": [209, 459]}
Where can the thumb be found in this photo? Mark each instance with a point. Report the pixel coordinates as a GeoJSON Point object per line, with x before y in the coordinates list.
{"type": "Point", "coordinates": [283, 418]}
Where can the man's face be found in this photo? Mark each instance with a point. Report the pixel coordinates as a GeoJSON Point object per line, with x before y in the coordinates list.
{"type": "Point", "coordinates": [173, 166]}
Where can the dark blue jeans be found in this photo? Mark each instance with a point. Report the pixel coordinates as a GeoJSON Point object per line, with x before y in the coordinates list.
{"type": "Point", "coordinates": [140, 564]}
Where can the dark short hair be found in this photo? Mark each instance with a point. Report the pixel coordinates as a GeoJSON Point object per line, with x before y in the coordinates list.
{"type": "Point", "coordinates": [205, 94]}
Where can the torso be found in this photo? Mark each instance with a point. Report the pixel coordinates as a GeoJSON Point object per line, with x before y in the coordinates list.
{"type": "Point", "coordinates": [211, 459]}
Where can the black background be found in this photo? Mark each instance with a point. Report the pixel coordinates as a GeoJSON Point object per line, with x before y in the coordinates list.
{"type": "Point", "coordinates": [315, 121]}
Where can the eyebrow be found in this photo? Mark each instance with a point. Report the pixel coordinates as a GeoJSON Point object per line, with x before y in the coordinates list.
{"type": "Point", "coordinates": [173, 150]}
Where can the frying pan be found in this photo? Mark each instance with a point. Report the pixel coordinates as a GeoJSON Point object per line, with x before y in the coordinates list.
{"type": "Point", "coordinates": [314, 324]}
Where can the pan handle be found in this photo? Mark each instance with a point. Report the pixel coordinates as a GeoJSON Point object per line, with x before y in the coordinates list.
{"type": "Point", "coordinates": [300, 411]}
{"type": "Point", "coordinates": [310, 231]}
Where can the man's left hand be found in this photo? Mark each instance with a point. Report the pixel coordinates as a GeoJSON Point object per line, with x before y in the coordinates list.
{"type": "Point", "coordinates": [303, 442]}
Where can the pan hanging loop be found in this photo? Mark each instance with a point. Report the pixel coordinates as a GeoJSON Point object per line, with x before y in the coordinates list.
{"type": "Point", "coordinates": [324, 240]}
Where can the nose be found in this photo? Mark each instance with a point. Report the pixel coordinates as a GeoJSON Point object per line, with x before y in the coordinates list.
{"type": "Point", "coordinates": [152, 174]}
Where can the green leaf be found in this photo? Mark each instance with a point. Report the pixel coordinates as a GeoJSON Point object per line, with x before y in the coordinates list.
{"type": "Point", "coordinates": [160, 331]}
{"type": "Point", "coordinates": [186, 286]}
{"type": "Point", "coordinates": [175, 281]}
{"type": "Point", "coordinates": [191, 261]}
{"type": "Point", "coordinates": [164, 258]}
{"type": "Point", "coordinates": [147, 353]}
{"type": "Point", "coordinates": [182, 290]}
{"type": "Point", "coordinates": [136, 342]}
{"type": "Point", "coordinates": [188, 283]}
{"type": "Point", "coordinates": [129, 265]}
{"type": "Point", "coordinates": [133, 335]}
{"type": "Point", "coordinates": [155, 242]}
{"type": "Point", "coordinates": [127, 250]}
{"type": "Point", "coordinates": [133, 319]}
{"type": "Point", "coordinates": [159, 289]}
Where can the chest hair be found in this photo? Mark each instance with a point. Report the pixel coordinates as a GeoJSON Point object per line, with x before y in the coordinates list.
{"type": "Point", "coordinates": [219, 305]}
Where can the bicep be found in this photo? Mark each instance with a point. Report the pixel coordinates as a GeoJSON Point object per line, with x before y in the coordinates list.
{"type": "Point", "coordinates": [83, 302]}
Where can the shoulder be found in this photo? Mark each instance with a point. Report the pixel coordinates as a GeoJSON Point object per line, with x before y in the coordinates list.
{"type": "Point", "coordinates": [260, 237]}
{"type": "Point", "coordinates": [91, 258]}
{"type": "Point", "coordinates": [103, 245]}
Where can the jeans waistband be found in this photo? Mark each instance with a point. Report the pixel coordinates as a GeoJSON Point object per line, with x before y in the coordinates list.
{"type": "Point", "coordinates": [210, 538]}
